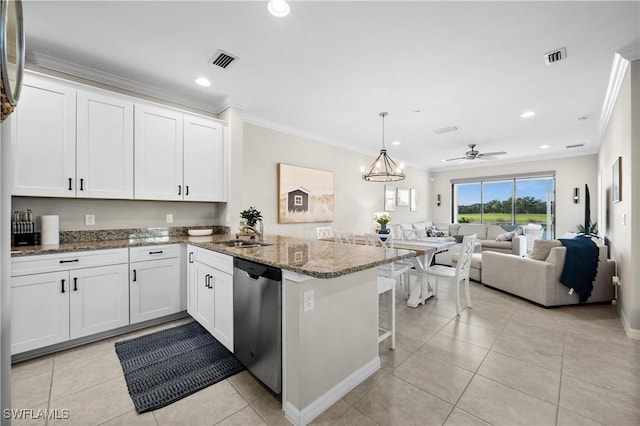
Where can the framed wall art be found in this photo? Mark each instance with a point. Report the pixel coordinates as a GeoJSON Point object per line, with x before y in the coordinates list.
{"type": "Point", "coordinates": [403, 197]}
{"type": "Point", "coordinates": [617, 179]}
{"type": "Point", "coordinates": [304, 194]}
{"type": "Point", "coordinates": [389, 198]}
{"type": "Point", "coordinates": [413, 199]}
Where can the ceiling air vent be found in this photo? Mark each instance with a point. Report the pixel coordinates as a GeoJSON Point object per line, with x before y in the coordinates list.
{"type": "Point", "coordinates": [555, 56]}
{"type": "Point", "coordinates": [446, 130]}
{"type": "Point", "coordinates": [578, 145]}
{"type": "Point", "coordinates": [223, 59]}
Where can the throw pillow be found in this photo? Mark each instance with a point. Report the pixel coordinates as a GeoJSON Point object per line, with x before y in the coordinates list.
{"type": "Point", "coordinates": [458, 238]}
{"type": "Point", "coordinates": [506, 236]}
{"type": "Point", "coordinates": [541, 249]}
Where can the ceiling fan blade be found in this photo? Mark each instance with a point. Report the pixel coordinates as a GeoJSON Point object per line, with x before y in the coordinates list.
{"type": "Point", "coordinates": [458, 158]}
{"type": "Point", "coordinates": [486, 157]}
{"type": "Point", "coordinates": [491, 154]}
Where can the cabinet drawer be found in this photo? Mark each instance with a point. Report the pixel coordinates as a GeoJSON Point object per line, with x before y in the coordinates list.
{"type": "Point", "coordinates": [219, 261]}
{"type": "Point", "coordinates": [166, 251]}
{"type": "Point", "coordinates": [67, 261]}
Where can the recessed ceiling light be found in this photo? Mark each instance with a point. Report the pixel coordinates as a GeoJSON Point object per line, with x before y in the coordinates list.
{"type": "Point", "coordinates": [583, 118]}
{"type": "Point", "coordinates": [279, 8]}
{"type": "Point", "coordinates": [545, 146]}
{"type": "Point", "coordinates": [201, 81]}
{"type": "Point", "coordinates": [395, 143]}
{"type": "Point", "coordinates": [527, 114]}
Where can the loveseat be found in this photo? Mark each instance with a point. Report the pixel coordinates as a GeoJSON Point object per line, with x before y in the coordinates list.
{"type": "Point", "coordinates": [539, 280]}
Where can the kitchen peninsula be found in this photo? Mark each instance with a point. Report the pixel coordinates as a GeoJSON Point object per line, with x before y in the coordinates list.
{"type": "Point", "coordinates": [328, 349]}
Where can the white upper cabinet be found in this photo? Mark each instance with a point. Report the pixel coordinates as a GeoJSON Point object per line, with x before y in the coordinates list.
{"type": "Point", "coordinates": [72, 140]}
{"type": "Point", "coordinates": [204, 160]}
{"type": "Point", "coordinates": [104, 164]}
{"type": "Point", "coordinates": [158, 153]}
{"type": "Point", "coordinates": [178, 156]}
{"type": "Point", "coordinates": [44, 135]}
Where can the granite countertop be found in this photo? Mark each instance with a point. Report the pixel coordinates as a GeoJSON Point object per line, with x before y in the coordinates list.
{"type": "Point", "coordinates": [318, 259]}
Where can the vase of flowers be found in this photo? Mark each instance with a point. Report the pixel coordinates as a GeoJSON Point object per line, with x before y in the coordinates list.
{"type": "Point", "coordinates": [383, 220]}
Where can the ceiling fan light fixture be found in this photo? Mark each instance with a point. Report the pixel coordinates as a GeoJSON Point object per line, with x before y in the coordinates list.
{"type": "Point", "coordinates": [527, 114]}
{"type": "Point", "coordinates": [383, 168]}
{"type": "Point", "coordinates": [278, 8]}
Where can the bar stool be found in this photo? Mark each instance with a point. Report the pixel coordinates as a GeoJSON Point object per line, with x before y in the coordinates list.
{"type": "Point", "coordinates": [387, 287]}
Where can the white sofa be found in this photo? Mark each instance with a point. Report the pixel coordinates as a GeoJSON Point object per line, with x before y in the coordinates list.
{"type": "Point", "coordinates": [488, 235]}
{"type": "Point", "coordinates": [539, 280]}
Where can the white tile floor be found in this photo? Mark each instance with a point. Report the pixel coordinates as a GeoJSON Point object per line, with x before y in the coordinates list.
{"type": "Point", "coordinates": [504, 362]}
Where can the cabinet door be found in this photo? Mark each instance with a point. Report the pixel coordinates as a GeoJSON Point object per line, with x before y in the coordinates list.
{"type": "Point", "coordinates": [104, 163]}
{"type": "Point", "coordinates": [155, 289]}
{"type": "Point", "coordinates": [158, 153]}
{"type": "Point", "coordinates": [205, 171]}
{"type": "Point", "coordinates": [223, 309]}
{"type": "Point", "coordinates": [39, 310]}
{"type": "Point", "coordinates": [99, 299]}
{"type": "Point", "coordinates": [204, 296]}
{"type": "Point", "coordinates": [44, 136]}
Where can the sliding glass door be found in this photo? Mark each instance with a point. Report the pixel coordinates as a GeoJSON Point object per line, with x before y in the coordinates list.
{"type": "Point", "coordinates": [526, 200]}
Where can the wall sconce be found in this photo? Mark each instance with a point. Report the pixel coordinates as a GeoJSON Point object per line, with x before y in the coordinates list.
{"type": "Point", "coordinates": [439, 199]}
{"type": "Point", "coordinates": [576, 195]}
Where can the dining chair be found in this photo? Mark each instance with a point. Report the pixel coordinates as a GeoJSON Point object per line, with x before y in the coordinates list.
{"type": "Point", "coordinates": [457, 274]}
{"type": "Point", "coordinates": [323, 232]}
{"type": "Point", "coordinates": [344, 237]}
{"type": "Point", "coordinates": [393, 270]}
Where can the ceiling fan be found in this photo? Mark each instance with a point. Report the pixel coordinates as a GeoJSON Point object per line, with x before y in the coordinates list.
{"type": "Point", "coordinates": [473, 154]}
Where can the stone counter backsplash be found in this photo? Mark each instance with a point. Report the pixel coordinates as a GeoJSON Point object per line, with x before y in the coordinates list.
{"type": "Point", "coordinates": [133, 233]}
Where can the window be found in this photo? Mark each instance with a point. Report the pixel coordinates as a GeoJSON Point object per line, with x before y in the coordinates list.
{"type": "Point", "coordinates": [297, 200]}
{"type": "Point", "coordinates": [506, 200]}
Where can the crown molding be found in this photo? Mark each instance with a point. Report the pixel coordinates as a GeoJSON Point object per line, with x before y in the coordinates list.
{"type": "Point", "coordinates": [621, 61]}
{"type": "Point", "coordinates": [94, 75]}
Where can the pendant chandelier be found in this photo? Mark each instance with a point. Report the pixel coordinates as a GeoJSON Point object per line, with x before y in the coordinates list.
{"type": "Point", "coordinates": [383, 169]}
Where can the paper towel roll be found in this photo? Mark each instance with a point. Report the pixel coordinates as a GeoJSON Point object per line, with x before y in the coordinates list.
{"type": "Point", "coordinates": [50, 229]}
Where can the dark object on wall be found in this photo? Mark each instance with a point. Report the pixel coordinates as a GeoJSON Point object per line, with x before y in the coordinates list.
{"type": "Point", "coordinates": [587, 209]}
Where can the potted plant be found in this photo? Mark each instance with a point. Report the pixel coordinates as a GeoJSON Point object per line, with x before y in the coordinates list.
{"type": "Point", "coordinates": [592, 231]}
{"type": "Point", "coordinates": [251, 216]}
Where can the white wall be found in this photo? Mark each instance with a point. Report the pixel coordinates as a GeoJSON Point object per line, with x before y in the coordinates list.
{"type": "Point", "coordinates": [570, 173]}
{"type": "Point", "coordinates": [355, 199]}
{"type": "Point", "coordinates": [622, 220]}
{"type": "Point", "coordinates": [112, 214]}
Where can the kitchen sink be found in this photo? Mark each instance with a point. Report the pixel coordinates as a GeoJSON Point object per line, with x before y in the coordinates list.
{"type": "Point", "coordinates": [244, 243]}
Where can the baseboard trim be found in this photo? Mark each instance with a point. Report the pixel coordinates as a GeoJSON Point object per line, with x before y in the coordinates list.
{"type": "Point", "coordinates": [333, 395]}
{"type": "Point", "coordinates": [632, 333]}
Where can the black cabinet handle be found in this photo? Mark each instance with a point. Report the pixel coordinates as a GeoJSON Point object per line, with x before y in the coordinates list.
{"type": "Point", "coordinates": [75, 283]}
{"type": "Point", "coordinates": [210, 279]}
{"type": "Point", "coordinates": [191, 257]}
{"type": "Point", "coordinates": [156, 252]}
{"type": "Point", "coordinates": [70, 183]}
{"type": "Point", "coordinates": [62, 286]}
{"type": "Point", "coordinates": [70, 261]}
{"type": "Point", "coordinates": [81, 184]}
{"type": "Point", "coordinates": [135, 276]}
{"type": "Point", "coordinates": [206, 280]}
{"type": "Point", "coordinates": [187, 190]}
{"type": "Point", "coordinates": [179, 189]}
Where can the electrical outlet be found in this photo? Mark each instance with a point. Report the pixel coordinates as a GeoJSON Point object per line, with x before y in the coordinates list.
{"type": "Point", "coordinates": [308, 300]}
{"type": "Point", "coordinates": [169, 218]}
{"type": "Point", "coordinates": [616, 280]}
{"type": "Point", "coordinates": [89, 219]}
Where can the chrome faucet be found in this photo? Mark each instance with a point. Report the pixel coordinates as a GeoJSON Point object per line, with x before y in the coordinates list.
{"type": "Point", "coordinates": [259, 233]}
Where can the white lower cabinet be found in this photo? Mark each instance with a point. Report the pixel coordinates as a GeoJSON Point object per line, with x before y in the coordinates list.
{"type": "Point", "coordinates": [99, 300]}
{"type": "Point", "coordinates": [72, 295]}
{"type": "Point", "coordinates": [40, 310]}
{"type": "Point", "coordinates": [210, 292]}
{"type": "Point", "coordinates": [155, 287]}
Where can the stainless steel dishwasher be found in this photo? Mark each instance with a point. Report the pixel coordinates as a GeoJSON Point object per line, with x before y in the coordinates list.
{"type": "Point", "coordinates": [257, 320]}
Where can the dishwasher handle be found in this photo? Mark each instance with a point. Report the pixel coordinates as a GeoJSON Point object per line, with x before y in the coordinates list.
{"type": "Point", "coordinates": [257, 270]}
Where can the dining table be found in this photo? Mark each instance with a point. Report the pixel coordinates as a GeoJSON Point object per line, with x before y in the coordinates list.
{"type": "Point", "coordinates": [425, 249]}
